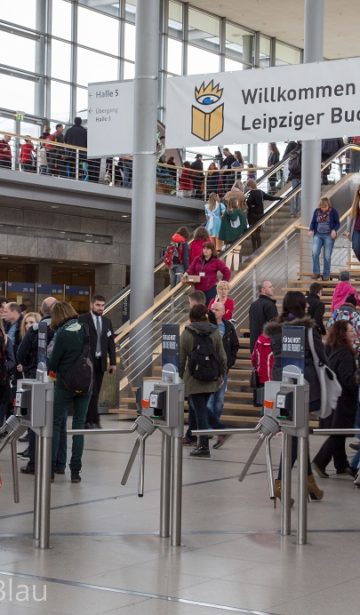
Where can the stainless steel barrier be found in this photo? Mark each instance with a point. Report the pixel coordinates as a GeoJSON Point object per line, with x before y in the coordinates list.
{"type": "Point", "coordinates": [286, 410]}
{"type": "Point", "coordinates": [34, 409]}
{"type": "Point", "coordinates": [164, 411]}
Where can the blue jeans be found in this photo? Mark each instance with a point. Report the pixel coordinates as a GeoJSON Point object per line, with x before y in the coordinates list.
{"type": "Point", "coordinates": [216, 402]}
{"type": "Point", "coordinates": [175, 274]}
{"type": "Point", "coordinates": [295, 203]}
{"type": "Point", "coordinates": [355, 243]}
{"type": "Point", "coordinates": [322, 240]}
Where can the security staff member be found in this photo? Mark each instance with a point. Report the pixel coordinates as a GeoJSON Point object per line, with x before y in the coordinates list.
{"type": "Point", "coordinates": [102, 346]}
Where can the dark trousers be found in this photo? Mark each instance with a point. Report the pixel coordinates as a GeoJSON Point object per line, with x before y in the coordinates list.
{"type": "Point", "coordinates": [62, 450]}
{"type": "Point", "coordinates": [199, 401]}
{"type": "Point", "coordinates": [93, 412]}
{"type": "Point", "coordinates": [63, 402]}
{"type": "Point", "coordinates": [333, 448]}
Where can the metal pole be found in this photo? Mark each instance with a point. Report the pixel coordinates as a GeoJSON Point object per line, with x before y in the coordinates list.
{"type": "Point", "coordinates": [176, 495]}
{"type": "Point", "coordinates": [144, 156]}
{"type": "Point", "coordinates": [15, 474]}
{"type": "Point", "coordinates": [165, 486]}
{"type": "Point", "coordinates": [303, 448]}
{"type": "Point", "coordinates": [45, 443]}
{"type": "Point", "coordinates": [252, 456]}
{"type": "Point", "coordinates": [311, 150]}
{"type": "Point", "coordinates": [269, 467]}
{"type": "Point", "coordinates": [141, 468]}
{"type": "Point", "coordinates": [37, 489]}
{"type": "Point", "coordinates": [286, 486]}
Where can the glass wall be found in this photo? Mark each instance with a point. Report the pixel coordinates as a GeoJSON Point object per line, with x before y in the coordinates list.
{"type": "Point", "coordinates": [52, 49]}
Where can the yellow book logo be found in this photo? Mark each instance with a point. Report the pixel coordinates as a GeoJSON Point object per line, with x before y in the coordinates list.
{"type": "Point", "coordinates": [207, 125]}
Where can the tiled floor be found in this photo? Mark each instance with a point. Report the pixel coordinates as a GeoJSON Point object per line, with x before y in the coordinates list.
{"type": "Point", "coordinates": [106, 556]}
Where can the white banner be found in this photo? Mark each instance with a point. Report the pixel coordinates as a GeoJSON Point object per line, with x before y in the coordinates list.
{"type": "Point", "coordinates": [110, 118]}
{"type": "Point", "coordinates": [306, 101]}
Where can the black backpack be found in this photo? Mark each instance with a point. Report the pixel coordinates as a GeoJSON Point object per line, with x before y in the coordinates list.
{"type": "Point", "coordinates": [204, 364]}
{"type": "Point", "coordinates": [79, 379]}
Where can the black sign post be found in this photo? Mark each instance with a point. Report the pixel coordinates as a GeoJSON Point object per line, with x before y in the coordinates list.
{"type": "Point", "coordinates": [170, 341]}
{"type": "Point", "coordinates": [293, 346]}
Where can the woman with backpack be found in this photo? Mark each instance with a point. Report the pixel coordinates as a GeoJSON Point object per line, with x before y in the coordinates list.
{"type": "Point", "coordinates": [202, 364]}
{"type": "Point", "coordinates": [294, 313]}
{"type": "Point", "coordinates": [255, 205]}
{"type": "Point", "coordinates": [73, 384]}
{"type": "Point", "coordinates": [323, 229]}
{"type": "Point", "coordinates": [176, 257]}
{"type": "Point", "coordinates": [341, 359]}
{"type": "Point", "coordinates": [208, 267]}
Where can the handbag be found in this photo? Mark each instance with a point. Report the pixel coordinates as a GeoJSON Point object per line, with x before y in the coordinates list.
{"type": "Point", "coordinates": [254, 379]}
{"type": "Point", "coordinates": [330, 387]}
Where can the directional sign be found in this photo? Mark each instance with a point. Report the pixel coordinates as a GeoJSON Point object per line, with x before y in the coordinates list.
{"type": "Point", "coordinates": [110, 118]}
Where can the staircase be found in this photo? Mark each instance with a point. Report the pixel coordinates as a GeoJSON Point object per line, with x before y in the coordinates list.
{"type": "Point", "coordinates": [285, 244]}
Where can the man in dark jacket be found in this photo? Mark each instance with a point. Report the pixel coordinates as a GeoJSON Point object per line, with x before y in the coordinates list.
{"type": "Point", "coordinates": [76, 135]}
{"type": "Point", "coordinates": [231, 347]}
{"type": "Point", "coordinates": [261, 311]}
{"type": "Point", "coordinates": [28, 357]}
{"type": "Point", "coordinates": [198, 166]}
{"type": "Point", "coordinates": [102, 346]}
{"type": "Point", "coordinates": [227, 163]}
{"type": "Point", "coordinates": [316, 307]}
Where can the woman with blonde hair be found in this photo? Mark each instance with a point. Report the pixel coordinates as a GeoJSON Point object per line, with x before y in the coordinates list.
{"type": "Point", "coordinates": [222, 295]}
{"type": "Point", "coordinates": [214, 210]}
{"type": "Point", "coordinates": [353, 224]}
{"type": "Point", "coordinates": [70, 338]}
{"type": "Point", "coordinates": [30, 319]}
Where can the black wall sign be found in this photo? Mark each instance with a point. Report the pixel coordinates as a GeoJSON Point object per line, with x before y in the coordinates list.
{"type": "Point", "coordinates": [293, 346]}
{"type": "Point", "coordinates": [170, 340]}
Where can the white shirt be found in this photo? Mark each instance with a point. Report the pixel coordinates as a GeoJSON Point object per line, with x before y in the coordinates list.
{"type": "Point", "coordinates": [94, 317]}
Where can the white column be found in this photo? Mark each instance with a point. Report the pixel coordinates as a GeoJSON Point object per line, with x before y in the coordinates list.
{"type": "Point", "coordinates": [311, 150]}
{"type": "Point", "coordinates": [144, 157]}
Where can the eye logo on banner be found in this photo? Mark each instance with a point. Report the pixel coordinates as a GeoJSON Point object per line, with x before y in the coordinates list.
{"type": "Point", "coordinates": [207, 124]}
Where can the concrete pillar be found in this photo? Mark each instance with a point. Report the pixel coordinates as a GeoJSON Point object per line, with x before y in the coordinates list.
{"type": "Point", "coordinates": [40, 54]}
{"type": "Point", "coordinates": [311, 150]}
{"type": "Point", "coordinates": [144, 156]}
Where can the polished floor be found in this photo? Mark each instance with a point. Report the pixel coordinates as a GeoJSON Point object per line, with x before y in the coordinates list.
{"type": "Point", "coordinates": [106, 556]}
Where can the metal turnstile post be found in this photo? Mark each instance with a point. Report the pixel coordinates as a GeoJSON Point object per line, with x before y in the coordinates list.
{"type": "Point", "coordinates": [303, 452]}
{"type": "Point", "coordinates": [286, 486]}
{"type": "Point", "coordinates": [176, 499]}
{"type": "Point", "coordinates": [165, 485]}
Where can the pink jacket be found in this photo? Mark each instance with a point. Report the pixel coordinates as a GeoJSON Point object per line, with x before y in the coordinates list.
{"type": "Point", "coordinates": [341, 292]}
{"type": "Point", "coordinates": [210, 269]}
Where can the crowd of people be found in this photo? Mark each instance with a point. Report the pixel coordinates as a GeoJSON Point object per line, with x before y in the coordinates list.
{"type": "Point", "coordinates": [336, 343]}
{"type": "Point", "coordinates": [69, 339]}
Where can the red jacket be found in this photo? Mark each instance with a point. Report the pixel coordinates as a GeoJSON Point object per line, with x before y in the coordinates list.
{"type": "Point", "coordinates": [196, 247]}
{"type": "Point", "coordinates": [186, 180]}
{"type": "Point", "coordinates": [262, 358]}
{"type": "Point", "coordinates": [25, 153]}
{"type": "Point", "coordinates": [5, 150]}
{"type": "Point", "coordinates": [209, 268]}
{"type": "Point", "coordinates": [229, 307]}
